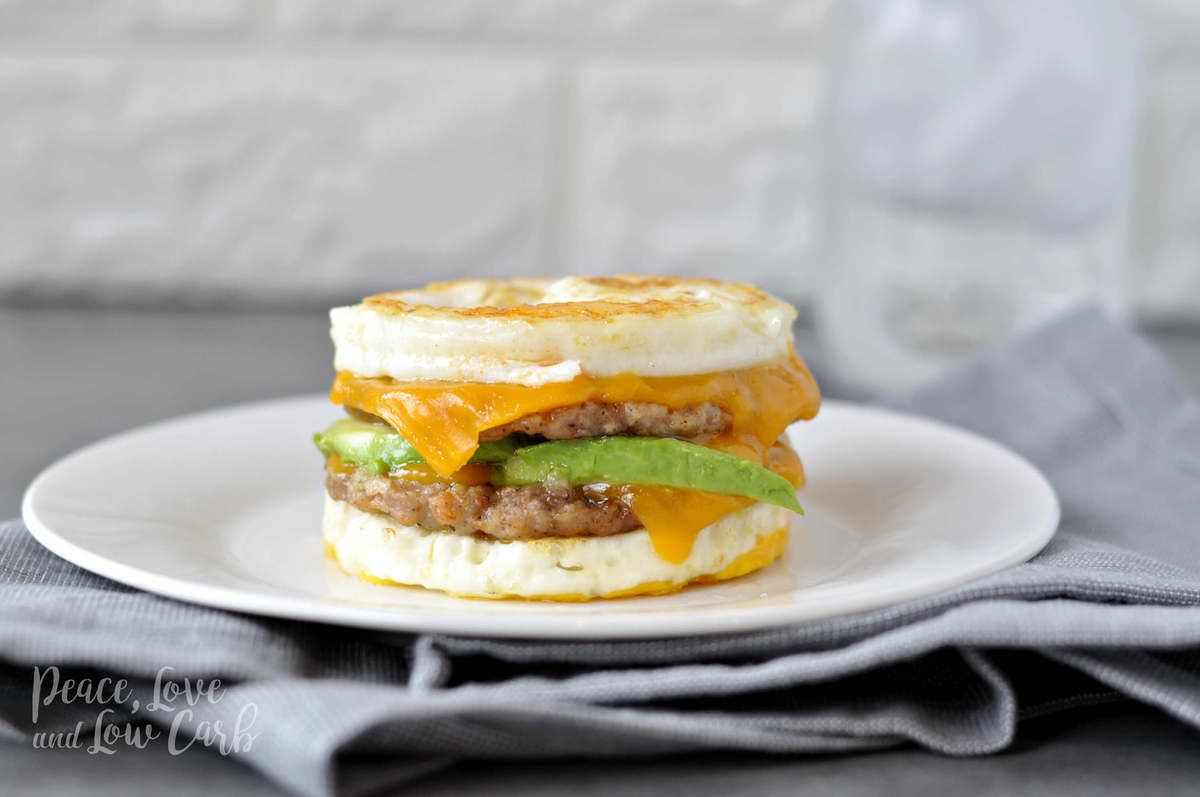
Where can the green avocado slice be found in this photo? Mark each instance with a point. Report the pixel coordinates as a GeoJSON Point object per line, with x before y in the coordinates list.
{"type": "Point", "coordinates": [378, 447]}
{"type": "Point", "coordinates": [645, 460]}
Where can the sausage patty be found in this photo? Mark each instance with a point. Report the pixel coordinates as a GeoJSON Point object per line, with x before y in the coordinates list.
{"type": "Point", "coordinates": [698, 424]}
{"type": "Point", "coordinates": [505, 513]}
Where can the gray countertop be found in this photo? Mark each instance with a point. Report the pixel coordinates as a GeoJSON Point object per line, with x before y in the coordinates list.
{"type": "Point", "coordinates": [74, 376]}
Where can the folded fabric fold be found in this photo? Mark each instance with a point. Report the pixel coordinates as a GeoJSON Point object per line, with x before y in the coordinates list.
{"type": "Point", "coordinates": [1110, 610]}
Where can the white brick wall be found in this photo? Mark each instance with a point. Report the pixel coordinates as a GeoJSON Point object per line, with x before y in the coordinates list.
{"type": "Point", "coordinates": [301, 149]}
{"type": "Point", "coordinates": [691, 169]}
{"type": "Point", "coordinates": [282, 176]}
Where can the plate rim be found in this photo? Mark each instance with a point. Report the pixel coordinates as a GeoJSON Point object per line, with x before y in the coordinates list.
{"type": "Point", "coordinates": [703, 621]}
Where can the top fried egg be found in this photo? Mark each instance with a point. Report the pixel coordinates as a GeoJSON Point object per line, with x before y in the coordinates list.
{"type": "Point", "coordinates": [539, 331]}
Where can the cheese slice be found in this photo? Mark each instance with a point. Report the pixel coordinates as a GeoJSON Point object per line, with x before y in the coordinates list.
{"type": "Point", "coordinates": [443, 421]}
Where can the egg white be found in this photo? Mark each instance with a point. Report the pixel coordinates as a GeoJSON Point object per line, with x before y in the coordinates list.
{"type": "Point", "coordinates": [542, 331]}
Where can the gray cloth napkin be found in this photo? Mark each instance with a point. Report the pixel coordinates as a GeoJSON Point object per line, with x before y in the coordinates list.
{"type": "Point", "coordinates": [1110, 610]}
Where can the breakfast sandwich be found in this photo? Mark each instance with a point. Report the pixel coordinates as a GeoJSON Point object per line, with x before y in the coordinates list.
{"type": "Point", "coordinates": [564, 439]}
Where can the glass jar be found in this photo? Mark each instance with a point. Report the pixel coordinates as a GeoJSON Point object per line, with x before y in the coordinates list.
{"type": "Point", "coordinates": [976, 159]}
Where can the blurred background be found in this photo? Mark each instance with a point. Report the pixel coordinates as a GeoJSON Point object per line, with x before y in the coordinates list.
{"type": "Point", "coordinates": [922, 176]}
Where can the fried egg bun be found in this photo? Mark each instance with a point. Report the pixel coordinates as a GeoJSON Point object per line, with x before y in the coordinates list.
{"type": "Point", "coordinates": [535, 331]}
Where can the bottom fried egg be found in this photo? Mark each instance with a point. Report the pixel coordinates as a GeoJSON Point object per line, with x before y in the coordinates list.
{"type": "Point", "coordinates": [377, 548]}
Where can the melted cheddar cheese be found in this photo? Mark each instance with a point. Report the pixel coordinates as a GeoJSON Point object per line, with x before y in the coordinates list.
{"type": "Point", "coordinates": [443, 421]}
{"type": "Point", "coordinates": [673, 516]}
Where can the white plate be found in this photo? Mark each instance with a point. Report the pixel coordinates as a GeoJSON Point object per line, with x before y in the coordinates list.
{"type": "Point", "coordinates": [223, 508]}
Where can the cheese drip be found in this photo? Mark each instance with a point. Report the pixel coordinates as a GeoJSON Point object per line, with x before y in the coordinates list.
{"type": "Point", "coordinates": [673, 516]}
{"type": "Point", "coordinates": [443, 420]}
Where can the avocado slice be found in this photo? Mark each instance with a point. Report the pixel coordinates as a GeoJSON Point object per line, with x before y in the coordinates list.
{"type": "Point", "coordinates": [645, 460]}
{"type": "Point", "coordinates": [378, 447]}
{"type": "Point", "coordinates": [615, 460]}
